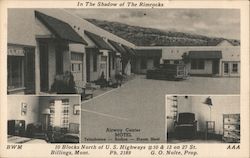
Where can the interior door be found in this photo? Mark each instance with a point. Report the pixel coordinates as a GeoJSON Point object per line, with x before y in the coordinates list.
{"type": "Point", "coordinates": [44, 76]}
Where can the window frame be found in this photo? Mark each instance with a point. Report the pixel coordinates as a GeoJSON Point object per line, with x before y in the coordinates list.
{"type": "Point", "coordinates": [197, 64]}
{"type": "Point", "coordinates": [237, 69]}
{"type": "Point", "coordinates": [10, 63]}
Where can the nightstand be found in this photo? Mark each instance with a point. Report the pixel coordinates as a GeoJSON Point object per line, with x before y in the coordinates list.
{"type": "Point", "coordinates": [210, 128]}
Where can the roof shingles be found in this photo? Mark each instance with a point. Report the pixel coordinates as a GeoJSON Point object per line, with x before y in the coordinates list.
{"type": "Point", "coordinates": [60, 29]}
{"type": "Point", "coordinates": [98, 40]}
{"type": "Point", "coordinates": [205, 54]}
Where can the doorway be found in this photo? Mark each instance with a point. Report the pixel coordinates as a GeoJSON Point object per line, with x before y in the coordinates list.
{"type": "Point", "coordinates": [225, 69]}
{"type": "Point", "coordinates": [103, 66]}
{"type": "Point", "coordinates": [29, 71]}
{"type": "Point", "coordinates": [44, 76]}
{"type": "Point", "coordinates": [88, 66]}
{"type": "Point", "coordinates": [215, 67]}
{"type": "Point", "coordinates": [110, 68]}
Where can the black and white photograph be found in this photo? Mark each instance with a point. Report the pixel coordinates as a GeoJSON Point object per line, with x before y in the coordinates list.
{"type": "Point", "coordinates": [122, 65]}
{"type": "Point", "coordinates": [203, 119]}
{"type": "Point", "coordinates": [43, 119]}
{"type": "Point", "coordinates": [118, 78]}
{"type": "Point", "coordinates": [91, 51]}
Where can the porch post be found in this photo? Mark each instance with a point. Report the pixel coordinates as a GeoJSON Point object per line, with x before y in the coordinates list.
{"type": "Point", "coordinates": [220, 68]}
{"type": "Point", "coordinates": [37, 69]}
{"type": "Point", "coordinates": [107, 69]}
{"type": "Point", "coordinates": [84, 67]}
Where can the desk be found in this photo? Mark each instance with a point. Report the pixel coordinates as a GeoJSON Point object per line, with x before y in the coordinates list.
{"type": "Point", "coordinates": [210, 128]}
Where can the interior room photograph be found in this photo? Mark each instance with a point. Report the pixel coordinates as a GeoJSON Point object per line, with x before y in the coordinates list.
{"type": "Point", "coordinates": [203, 119]}
{"type": "Point", "coordinates": [43, 119]}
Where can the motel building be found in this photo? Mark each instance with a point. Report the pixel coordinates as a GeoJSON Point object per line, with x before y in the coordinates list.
{"type": "Point", "coordinates": [222, 59]}
{"type": "Point", "coordinates": [44, 44]}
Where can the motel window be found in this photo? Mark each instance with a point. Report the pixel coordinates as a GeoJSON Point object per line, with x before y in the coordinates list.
{"type": "Point", "coordinates": [76, 67]}
{"type": "Point", "coordinates": [176, 62]}
{"type": "Point", "coordinates": [226, 68]}
{"type": "Point", "coordinates": [95, 62]}
{"type": "Point", "coordinates": [143, 63]}
{"type": "Point", "coordinates": [76, 56]}
{"type": "Point", "coordinates": [166, 61]}
{"type": "Point", "coordinates": [181, 62]}
{"type": "Point", "coordinates": [198, 64]}
{"type": "Point", "coordinates": [76, 62]}
{"type": "Point", "coordinates": [15, 72]}
{"type": "Point", "coordinates": [235, 68]}
{"type": "Point", "coordinates": [59, 110]}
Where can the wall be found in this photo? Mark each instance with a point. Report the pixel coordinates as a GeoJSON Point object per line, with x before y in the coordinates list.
{"type": "Point", "coordinates": [184, 104]}
{"type": "Point", "coordinates": [14, 108]}
{"type": "Point", "coordinates": [207, 68]}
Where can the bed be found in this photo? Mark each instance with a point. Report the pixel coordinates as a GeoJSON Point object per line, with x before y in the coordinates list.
{"type": "Point", "coordinates": [21, 140]}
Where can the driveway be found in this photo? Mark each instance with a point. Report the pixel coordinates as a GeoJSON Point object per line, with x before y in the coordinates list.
{"type": "Point", "coordinates": [139, 106]}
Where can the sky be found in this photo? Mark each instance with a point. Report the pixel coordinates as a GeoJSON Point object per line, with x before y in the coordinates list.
{"type": "Point", "coordinates": [210, 22]}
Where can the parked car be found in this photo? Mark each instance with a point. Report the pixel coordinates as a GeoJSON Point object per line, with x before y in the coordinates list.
{"type": "Point", "coordinates": [168, 72]}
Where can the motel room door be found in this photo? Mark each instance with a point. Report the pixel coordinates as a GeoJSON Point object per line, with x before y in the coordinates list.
{"type": "Point", "coordinates": [110, 64]}
{"type": "Point", "coordinates": [104, 66]}
{"type": "Point", "coordinates": [215, 67]}
{"type": "Point", "coordinates": [29, 71]}
{"type": "Point", "coordinates": [44, 76]}
{"type": "Point", "coordinates": [88, 66]}
{"type": "Point", "coordinates": [77, 66]}
{"type": "Point", "coordinates": [225, 68]}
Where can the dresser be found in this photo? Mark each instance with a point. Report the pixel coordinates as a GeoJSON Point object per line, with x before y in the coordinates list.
{"type": "Point", "coordinates": [231, 128]}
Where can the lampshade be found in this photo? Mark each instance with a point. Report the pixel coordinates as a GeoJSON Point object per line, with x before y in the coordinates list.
{"type": "Point", "coordinates": [208, 101]}
{"type": "Point", "coordinates": [46, 111]}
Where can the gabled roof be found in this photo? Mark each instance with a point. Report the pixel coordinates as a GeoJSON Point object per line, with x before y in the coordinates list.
{"type": "Point", "coordinates": [129, 50]}
{"type": "Point", "coordinates": [117, 46]}
{"type": "Point", "coordinates": [149, 53]}
{"type": "Point", "coordinates": [98, 40]}
{"type": "Point", "coordinates": [60, 29]}
{"type": "Point", "coordinates": [205, 54]}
